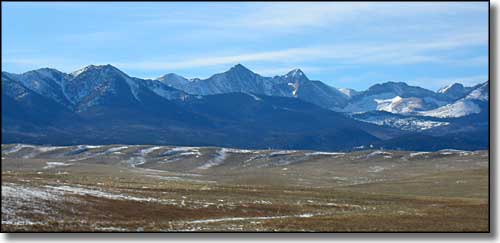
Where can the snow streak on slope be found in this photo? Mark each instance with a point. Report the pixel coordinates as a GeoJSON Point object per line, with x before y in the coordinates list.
{"type": "Point", "coordinates": [457, 109]}
{"type": "Point", "coordinates": [218, 160]}
{"type": "Point", "coordinates": [463, 107]}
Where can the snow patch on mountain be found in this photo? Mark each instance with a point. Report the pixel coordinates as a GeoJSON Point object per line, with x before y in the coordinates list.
{"type": "Point", "coordinates": [81, 70]}
{"type": "Point", "coordinates": [446, 88]}
{"type": "Point", "coordinates": [404, 123]}
{"type": "Point", "coordinates": [399, 105]}
{"type": "Point", "coordinates": [349, 92]}
{"type": "Point", "coordinates": [463, 107]}
{"type": "Point", "coordinates": [481, 93]}
{"type": "Point", "coordinates": [366, 103]}
{"type": "Point", "coordinates": [295, 73]}
{"type": "Point", "coordinates": [408, 124]}
{"type": "Point", "coordinates": [457, 109]}
{"type": "Point", "coordinates": [454, 91]}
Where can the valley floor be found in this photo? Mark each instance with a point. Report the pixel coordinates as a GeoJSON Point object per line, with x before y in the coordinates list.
{"type": "Point", "coordinates": [163, 188]}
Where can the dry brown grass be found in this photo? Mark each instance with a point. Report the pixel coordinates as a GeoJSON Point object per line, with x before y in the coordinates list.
{"type": "Point", "coordinates": [407, 196]}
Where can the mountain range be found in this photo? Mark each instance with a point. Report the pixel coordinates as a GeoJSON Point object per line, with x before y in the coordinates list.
{"type": "Point", "coordinates": [100, 104]}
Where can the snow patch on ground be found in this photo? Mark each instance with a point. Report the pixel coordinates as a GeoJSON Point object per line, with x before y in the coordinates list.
{"type": "Point", "coordinates": [48, 149]}
{"type": "Point", "coordinates": [240, 151]}
{"type": "Point", "coordinates": [454, 151]}
{"type": "Point", "coordinates": [111, 229]}
{"type": "Point", "coordinates": [217, 160]}
{"type": "Point", "coordinates": [176, 178]}
{"type": "Point", "coordinates": [323, 153]}
{"type": "Point", "coordinates": [418, 154]}
{"type": "Point", "coordinates": [108, 195]}
{"type": "Point", "coordinates": [10, 190]}
{"type": "Point", "coordinates": [183, 151]}
{"type": "Point", "coordinates": [378, 153]}
{"type": "Point", "coordinates": [90, 146]}
{"type": "Point", "coordinates": [306, 215]}
{"type": "Point", "coordinates": [282, 152]}
{"type": "Point", "coordinates": [146, 151]}
{"type": "Point", "coordinates": [18, 200]}
{"type": "Point", "coordinates": [115, 149]}
{"type": "Point", "coordinates": [51, 165]}
{"type": "Point", "coordinates": [17, 148]}
{"type": "Point", "coordinates": [135, 161]}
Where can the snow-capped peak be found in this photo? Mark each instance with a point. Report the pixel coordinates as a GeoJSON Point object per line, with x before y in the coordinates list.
{"type": "Point", "coordinates": [107, 72]}
{"type": "Point", "coordinates": [449, 88]}
{"type": "Point", "coordinates": [81, 70]}
{"type": "Point", "coordinates": [295, 73]}
{"type": "Point", "coordinates": [94, 67]}
{"type": "Point", "coordinates": [454, 91]}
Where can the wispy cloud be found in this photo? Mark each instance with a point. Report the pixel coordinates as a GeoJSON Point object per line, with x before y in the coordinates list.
{"type": "Point", "coordinates": [428, 51]}
{"type": "Point", "coordinates": [300, 15]}
{"type": "Point", "coordinates": [371, 41]}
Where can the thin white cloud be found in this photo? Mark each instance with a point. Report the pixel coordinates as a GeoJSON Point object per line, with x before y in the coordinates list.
{"type": "Point", "coordinates": [221, 60]}
{"type": "Point", "coordinates": [424, 51]}
{"type": "Point", "coordinates": [264, 21]}
{"type": "Point", "coordinates": [293, 16]}
{"type": "Point", "coordinates": [395, 53]}
{"type": "Point", "coordinates": [297, 15]}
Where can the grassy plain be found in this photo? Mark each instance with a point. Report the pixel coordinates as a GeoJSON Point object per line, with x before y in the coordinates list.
{"type": "Point", "coordinates": [146, 188]}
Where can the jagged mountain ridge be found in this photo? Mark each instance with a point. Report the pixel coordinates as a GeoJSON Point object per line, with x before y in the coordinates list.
{"type": "Point", "coordinates": [474, 102]}
{"type": "Point", "coordinates": [240, 79]}
{"type": "Point", "coordinates": [97, 98]}
{"type": "Point", "coordinates": [92, 85]}
{"type": "Point", "coordinates": [370, 99]}
{"type": "Point", "coordinates": [395, 97]}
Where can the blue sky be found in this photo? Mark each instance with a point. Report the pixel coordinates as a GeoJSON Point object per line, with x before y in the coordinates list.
{"type": "Point", "coordinates": [344, 44]}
